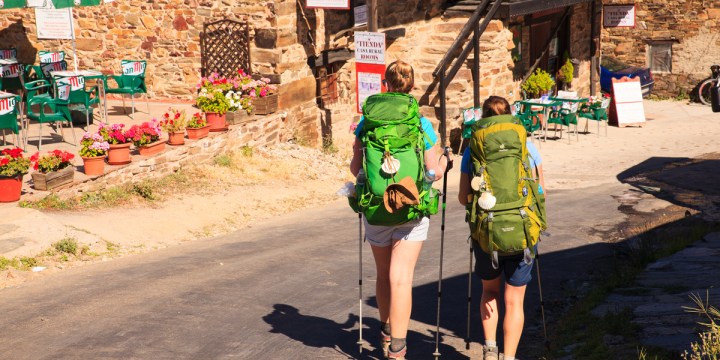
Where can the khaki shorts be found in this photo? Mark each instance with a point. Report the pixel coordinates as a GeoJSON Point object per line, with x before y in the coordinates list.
{"type": "Point", "coordinates": [382, 236]}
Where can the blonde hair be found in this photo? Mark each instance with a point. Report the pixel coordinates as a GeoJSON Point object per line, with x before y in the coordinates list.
{"type": "Point", "coordinates": [495, 105]}
{"type": "Point", "coordinates": [400, 76]}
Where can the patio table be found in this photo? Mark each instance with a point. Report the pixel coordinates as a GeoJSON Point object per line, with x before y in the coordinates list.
{"type": "Point", "coordinates": [99, 78]}
{"type": "Point", "coordinates": [546, 106]}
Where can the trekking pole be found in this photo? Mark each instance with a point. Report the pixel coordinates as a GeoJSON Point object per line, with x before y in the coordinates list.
{"type": "Point", "coordinates": [469, 296]}
{"type": "Point", "coordinates": [360, 328]}
{"type": "Point", "coordinates": [542, 303]}
{"type": "Point", "coordinates": [446, 153]}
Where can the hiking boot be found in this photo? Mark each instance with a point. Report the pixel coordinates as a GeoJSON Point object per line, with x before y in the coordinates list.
{"type": "Point", "coordinates": [384, 343]}
{"type": "Point", "coordinates": [490, 353]}
{"type": "Point", "coordinates": [400, 355]}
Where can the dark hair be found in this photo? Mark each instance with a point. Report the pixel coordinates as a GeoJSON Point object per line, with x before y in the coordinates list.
{"type": "Point", "coordinates": [400, 76]}
{"type": "Point", "coordinates": [495, 105]}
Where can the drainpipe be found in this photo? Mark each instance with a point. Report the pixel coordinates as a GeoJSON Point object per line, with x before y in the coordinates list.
{"type": "Point", "coordinates": [594, 45]}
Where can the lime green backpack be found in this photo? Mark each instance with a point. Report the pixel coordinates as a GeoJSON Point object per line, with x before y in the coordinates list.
{"type": "Point", "coordinates": [507, 212]}
{"type": "Point", "coordinates": [391, 127]}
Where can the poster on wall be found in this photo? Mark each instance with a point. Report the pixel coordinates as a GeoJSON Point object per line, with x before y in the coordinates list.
{"type": "Point", "coordinates": [361, 15]}
{"type": "Point", "coordinates": [370, 47]}
{"type": "Point", "coordinates": [619, 15]}
{"type": "Point", "coordinates": [328, 4]}
{"type": "Point", "coordinates": [53, 24]}
{"type": "Point", "coordinates": [368, 84]}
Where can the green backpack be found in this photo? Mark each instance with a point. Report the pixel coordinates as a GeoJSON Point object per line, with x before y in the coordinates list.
{"type": "Point", "coordinates": [507, 212]}
{"type": "Point", "coordinates": [391, 127]}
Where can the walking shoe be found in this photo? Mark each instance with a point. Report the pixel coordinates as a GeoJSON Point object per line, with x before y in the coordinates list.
{"type": "Point", "coordinates": [490, 353]}
{"type": "Point", "coordinates": [400, 355]}
{"type": "Point", "coordinates": [384, 343]}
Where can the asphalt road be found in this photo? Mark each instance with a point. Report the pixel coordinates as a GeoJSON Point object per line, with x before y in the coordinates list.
{"type": "Point", "coordinates": [284, 289]}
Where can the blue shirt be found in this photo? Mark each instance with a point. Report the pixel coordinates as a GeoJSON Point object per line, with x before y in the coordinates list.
{"type": "Point", "coordinates": [430, 138]}
{"type": "Point", "coordinates": [533, 157]}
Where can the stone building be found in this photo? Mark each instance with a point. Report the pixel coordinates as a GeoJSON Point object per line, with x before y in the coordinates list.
{"type": "Point", "coordinates": [309, 52]}
{"type": "Point", "coordinates": [678, 40]}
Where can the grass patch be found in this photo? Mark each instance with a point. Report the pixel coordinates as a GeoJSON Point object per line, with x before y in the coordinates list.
{"type": "Point", "coordinates": [66, 245]}
{"type": "Point", "coordinates": [27, 262]}
{"type": "Point", "coordinates": [584, 332]}
{"type": "Point", "coordinates": [6, 263]}
{"type": "Point", "coordinates": [224, 160]}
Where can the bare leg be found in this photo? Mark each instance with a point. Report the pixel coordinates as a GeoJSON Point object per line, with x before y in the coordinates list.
{"type": "Point", "coordinates": [489, 307]}
{"type": "Point", "coordinates": [514, 317]}
{"type": "Point", "coordinates": [402, 267]}
{"type": "Point", "coordinates": [382, 286]}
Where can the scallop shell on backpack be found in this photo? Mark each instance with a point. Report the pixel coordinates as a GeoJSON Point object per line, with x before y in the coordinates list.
{"type": "Point", "coordinates": [477, 182]}
{"type": "Point", "coordinates": [390, 165]}
{"type": "Point", "coordinates": [487, 201]}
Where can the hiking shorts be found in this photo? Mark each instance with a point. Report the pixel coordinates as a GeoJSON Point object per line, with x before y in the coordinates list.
{"type": "Point", "coordinates": [382, 236]}
{"type": "Point", "coordinates": [516, 271]}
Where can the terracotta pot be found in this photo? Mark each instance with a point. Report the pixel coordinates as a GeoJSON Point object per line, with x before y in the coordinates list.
{"type": "Point", "coordinates": [216, 121]}
{"type": "Point", "coordinates": [10, 188]}
{"type": "Point", "coordinates": [152, 148]}
{"type": "Point", "coordinates": [94, 165]}
{"type": "Point", "coordinates": [53, 179]}
{"type": "Point", "coordinates": [119, 154]}
{"type": "Point", "coordinates": [176, 138]}
{"type": "Point", "coordinates": [198, 133]}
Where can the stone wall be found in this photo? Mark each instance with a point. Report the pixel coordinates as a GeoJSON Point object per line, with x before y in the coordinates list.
{"type": "Point", "coordinates": [694, 25]}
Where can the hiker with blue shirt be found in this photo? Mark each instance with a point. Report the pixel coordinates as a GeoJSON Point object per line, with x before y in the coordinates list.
{"type": "Point", "coordinates": [396, 245]}
{"type": "Point", "coordinates": [515, 268]}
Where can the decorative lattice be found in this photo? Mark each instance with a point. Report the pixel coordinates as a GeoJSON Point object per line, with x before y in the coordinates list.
{"type": "Point", "coordinates": [225, 47]}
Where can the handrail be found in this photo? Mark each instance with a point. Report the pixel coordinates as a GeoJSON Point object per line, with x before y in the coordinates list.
{"type": "Point", "coordinates": [464, 33]}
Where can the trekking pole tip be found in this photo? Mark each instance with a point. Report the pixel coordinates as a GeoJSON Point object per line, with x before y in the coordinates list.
{"type": "Point", "coordinates": [436, 354]}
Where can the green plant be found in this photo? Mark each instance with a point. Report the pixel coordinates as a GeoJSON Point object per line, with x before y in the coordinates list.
{"type": "Point", "coordinates": [197, 121]}
{"type": "Point", "coordinates": [93, 145]}
{"type": "Point", "coordinates": [28, 262]}
{"type": "Point", "coordinates": [565, 74]}
{"type": "Point", "coordinates": [146, 133]}
{"type": "Point", "coordinates": [224, 160]}
{"type": "Point", "coordinates": [12, 162]}
{"type": "Point", "coordinates": [246, 151]}
{"type": "Point", "coordinates": [537, 83]}
{"type": "Point", "coordinates": [6, 263]}
{"type": "Point", "coordinates": [709, 345]}
{"type": "Point", "coordinates": [144, 190]}
{"type": "Point", "coordinates": [173, 121]}
{"type": "Point", "coordinates": [67, 245]}
{"type": "Point", "coordinates": [213, 101]}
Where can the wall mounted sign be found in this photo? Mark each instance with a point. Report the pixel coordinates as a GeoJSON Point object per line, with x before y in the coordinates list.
{"type": "Point", "coordinates": [328, 4]}
{"type": "Point", "coordinates": [619, 15]}
{"type": "Point", "coordinates": [370, 47]}
{"type": "Point", "coordinates": [369, 65]}
{"type": "Point", "coordinates": [53, 23]}
{"type": "Point", "coordinates": [361, 15]}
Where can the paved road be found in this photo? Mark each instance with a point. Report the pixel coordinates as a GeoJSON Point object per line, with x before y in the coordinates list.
{"type": "Point", "coordinates": [284, 289]}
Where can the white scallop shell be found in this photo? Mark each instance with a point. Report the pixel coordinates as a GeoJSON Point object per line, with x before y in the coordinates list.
{"type": "Point", "coordinates": [390, 165]}
{"type": "Point", "coordinates": [487, 201]}
{"type": "Point", "coordinates": [476, 182]}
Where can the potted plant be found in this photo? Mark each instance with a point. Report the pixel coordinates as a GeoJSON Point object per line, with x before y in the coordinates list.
{"type": "Point", "coordinates": [212, 101]}
{"type": "Point", "coordinates": [93, 149]}
{"type": "Point", "coordinates": [12, 168]}
{"type": "Point", "coordinates": [52, 169]}
{"type": "Point", "coordinates": [240, 109]}
{"type": "Point", "coordinates": [197, 127]}
{"type": "Point", "coordinates": [263, 96]}
{"type": "Point", "coordinates": [565, 73]}
{"type": "Point", "coordinates": [174, 123]}
{"type": "Point", "coordinates": [538, 84]}
{"type": "Point", "coordinates": [146, 137]}
{"type": "Point", "coordinates": [119, 152]}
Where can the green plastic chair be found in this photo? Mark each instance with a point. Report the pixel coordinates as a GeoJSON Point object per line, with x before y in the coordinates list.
{"type": "Point", "coordinates": [80, 99]}
{"type": "Point", "coordinates": [566, 115]}
{"type": "Point", "coordinates": [598, 114]}
{"type": "Point", "coordinates": [528, 118]}
{"type": "Point", "coordinates": [9, 116]}
{"type": "Point", "coordinates": [10, 75]}
{"type": "Point", "coordinates": [132, 81]}
{"type": "Point", "coordinates": [51, 110]}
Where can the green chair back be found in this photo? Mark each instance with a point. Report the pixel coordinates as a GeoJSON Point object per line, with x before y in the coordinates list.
{"type": "Point", "coordinates": [49, 57]}
{"type": "Point", "coordinates": [9, 112]}
{"type": "Point", "coordinates": [8, 53]}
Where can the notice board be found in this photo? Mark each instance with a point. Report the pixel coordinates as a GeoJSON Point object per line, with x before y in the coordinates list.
{"type": "Point", "coordinates": [627, 104]}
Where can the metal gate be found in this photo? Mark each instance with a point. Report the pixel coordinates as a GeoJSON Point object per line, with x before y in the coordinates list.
{"type": "Point", "coordinates": [225, 47]}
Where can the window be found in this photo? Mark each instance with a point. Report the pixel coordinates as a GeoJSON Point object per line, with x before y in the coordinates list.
{"type": "Point", "coordinates": [660, 56]}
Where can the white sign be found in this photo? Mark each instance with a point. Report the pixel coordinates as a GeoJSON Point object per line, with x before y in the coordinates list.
{"type": "Point", "coordinates": [627, 96]}
{"type": "Point", "coordinates": [370, 47]}
{"type": "Point", "coordinates": [328, 4]}
{"type": "Point", "coordinates": [619, 15]}
{"type": "Point", "coordinates": [361, 15]}
{"type": "Point", "coordinates": [368, 84]}
{"type": "Point", "coordinates": [53, 23]}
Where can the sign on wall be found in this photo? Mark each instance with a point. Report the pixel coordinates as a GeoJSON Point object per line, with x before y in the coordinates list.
{"type": "Point", "coordinates": [369, 65]}
{"type": "Point", "coordinates": [619, 15]}
{"type": "Point", "coordinates": [370, 47]}
{"type": "Point", "coordinates": [328, 4]}
{"type": "Point", "coordinates": [361, 15]}
{"type": "Point", "coordinates": [53, 24]}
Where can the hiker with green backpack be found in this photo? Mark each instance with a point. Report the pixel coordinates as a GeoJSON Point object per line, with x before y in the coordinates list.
{"type": "Point", "coordinates": [501, 185]}
{"type": "Point", "coordinates": [395, 160]}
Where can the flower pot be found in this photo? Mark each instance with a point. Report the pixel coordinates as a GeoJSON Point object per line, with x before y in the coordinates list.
{"type": "Point", "coordinates": [176, 138]}
{"type": "Point", "coordinates": [94, 165]}
{"type": "Point", "coordinates": [53, 179]}
{"type": "Point", "coordinates": [198, 133]}
{"type": "Point", "coordinates": [10, 188]}
{"type": "Point", "coordinates": [216, 121]}
{"type": "Point", "coordinates": [265, 105]}
{"type": "Point", "coordinates": [119, 154]}
{"type": "Point", "coordinates": [152, 148]}
{"type": "Point", "coordinates": [238, 117]}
